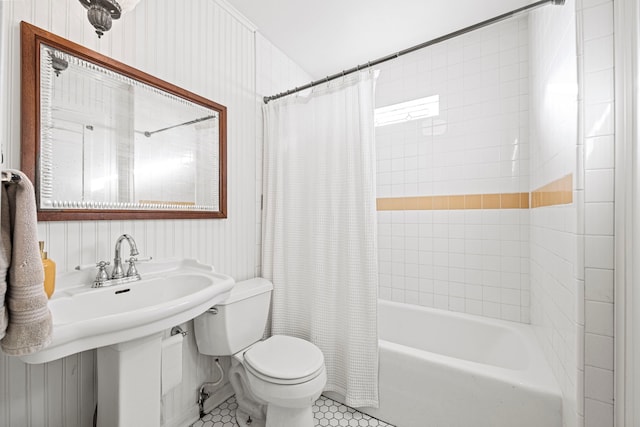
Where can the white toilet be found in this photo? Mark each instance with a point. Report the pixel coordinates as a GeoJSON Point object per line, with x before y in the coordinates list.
{"type": "Point", "coordinates": [277, 380]}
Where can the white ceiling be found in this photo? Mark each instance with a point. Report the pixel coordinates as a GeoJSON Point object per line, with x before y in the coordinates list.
{"type": "Point", "coordinates": [326, 37]}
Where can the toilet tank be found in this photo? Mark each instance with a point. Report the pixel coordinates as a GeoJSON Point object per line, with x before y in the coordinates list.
{"type": "Point", "coordinates": [240, 320]}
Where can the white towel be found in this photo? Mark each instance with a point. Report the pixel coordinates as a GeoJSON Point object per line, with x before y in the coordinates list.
{"type": "Point", "coordinates": [171, 362]}
{"type": "Point", "coordinates": [25, 319]}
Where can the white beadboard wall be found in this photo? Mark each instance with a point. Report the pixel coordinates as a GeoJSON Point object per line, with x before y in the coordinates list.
{"type": "Point", "coordinates": [275, 73]}
{"type": "Point", "coordinates": [555, 262]}
{"type": "Point", "coordinates": [208, 48]}
{"type": "Point", "coordinates": [198, 46]}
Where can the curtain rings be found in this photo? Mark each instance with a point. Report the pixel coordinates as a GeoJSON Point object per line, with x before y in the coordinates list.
{"type": "Point", "coordinates": [327, 82]}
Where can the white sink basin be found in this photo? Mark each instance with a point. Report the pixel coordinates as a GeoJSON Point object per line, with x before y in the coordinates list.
{"type": "Point", "coordinates": [170, 292]}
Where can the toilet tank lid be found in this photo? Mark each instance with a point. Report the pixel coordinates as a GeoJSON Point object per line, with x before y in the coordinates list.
{"type": "Point", "coordinates": [248, 288]}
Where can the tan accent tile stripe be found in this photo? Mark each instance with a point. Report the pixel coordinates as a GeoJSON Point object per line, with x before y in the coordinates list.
{"type": "Point", "coordinates": [491, 201]}
{"type": "Point", "coordinates": [473, 201]}
{"type": "Point", "coordinates": [455, 202]}
{"type": "Point", "coordinates": [558, 192]}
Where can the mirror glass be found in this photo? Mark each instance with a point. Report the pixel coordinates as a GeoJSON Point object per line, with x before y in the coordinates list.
{"type": "Point", "coordinates": [108, 141]}
{"type": "Point", "coordinates": [113, 140]}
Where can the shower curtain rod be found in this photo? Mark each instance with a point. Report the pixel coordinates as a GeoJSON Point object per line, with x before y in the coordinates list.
{"type": "Point", "coordinates": [191, 122]}
{"type": "Point", "coordinates": [437, 40]}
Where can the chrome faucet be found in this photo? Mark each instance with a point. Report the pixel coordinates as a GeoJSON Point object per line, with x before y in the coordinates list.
{"type": "Point", "coordinates": [118, 272]}
{"type": "Point", "coordinates": [118, 276]}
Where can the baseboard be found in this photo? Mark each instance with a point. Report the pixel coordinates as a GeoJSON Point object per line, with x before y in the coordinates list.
{"type": "Point", "coordinates": [218, 398]}
{"type": "Point", "coordinates": [192, 415]}
{"type": "Point", "coordinates": [185, 419]}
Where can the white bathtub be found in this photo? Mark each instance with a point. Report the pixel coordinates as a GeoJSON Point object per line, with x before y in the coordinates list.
{"type": "Point", "coordinates": [444, 369]}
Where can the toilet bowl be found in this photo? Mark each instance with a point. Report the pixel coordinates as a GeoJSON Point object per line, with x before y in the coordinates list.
{"type": "Point", "coordinates": [279, 379]}
{"type": "Point", "coordinates": [276, 380]}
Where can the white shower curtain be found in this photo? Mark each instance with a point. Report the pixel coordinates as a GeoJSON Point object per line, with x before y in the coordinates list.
{"type": "Point", "coordinates": [319, 228]}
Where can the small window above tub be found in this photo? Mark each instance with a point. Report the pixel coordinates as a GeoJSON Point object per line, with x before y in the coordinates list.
{"type": "Point", "coordinates": [415, 109]}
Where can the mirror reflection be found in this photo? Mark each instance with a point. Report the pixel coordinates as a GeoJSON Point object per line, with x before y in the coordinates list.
{"type": "Point", "coordinates": [108, 141]}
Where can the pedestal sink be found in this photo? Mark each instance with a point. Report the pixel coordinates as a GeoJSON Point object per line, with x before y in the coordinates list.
{"type": "Point", "coordinates": [125, 323]}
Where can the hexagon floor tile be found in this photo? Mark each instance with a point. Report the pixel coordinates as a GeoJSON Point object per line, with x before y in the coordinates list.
{"type": "Point", "coordinates": [326, 412]}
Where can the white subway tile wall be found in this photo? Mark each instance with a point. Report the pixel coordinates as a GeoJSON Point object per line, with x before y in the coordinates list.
{"type": "Point", "coordinates": [596, 66]}
{"type": "Point", "coordinates": [473, 261]}
{"type": "Point", "coordinates": [572, 247]}
{"type": "Point", "coordinates": [556, 279]}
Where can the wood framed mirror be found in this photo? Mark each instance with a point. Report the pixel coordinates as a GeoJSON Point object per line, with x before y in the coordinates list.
{"type": "Point", "coordinates": [102, 140]}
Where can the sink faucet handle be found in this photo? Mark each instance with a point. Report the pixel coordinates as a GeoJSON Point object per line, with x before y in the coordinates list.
{"type": "Point", "coordinates": [102, 275]}
{"type": "Point", "coordinates": [132, 271]}
{"type": "Point", "coordinates": [102, 264]}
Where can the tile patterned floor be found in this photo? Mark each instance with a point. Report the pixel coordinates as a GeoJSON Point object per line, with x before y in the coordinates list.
{"type": "Point", "coordinates": [326, 412]}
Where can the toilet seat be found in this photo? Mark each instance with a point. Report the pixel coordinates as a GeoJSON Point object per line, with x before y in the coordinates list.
{"type": "Point", "coordinates": [284, 360]}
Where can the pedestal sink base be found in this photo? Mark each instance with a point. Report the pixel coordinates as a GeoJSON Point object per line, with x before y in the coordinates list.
{"type": "Point", "coordinates": [129, 383]}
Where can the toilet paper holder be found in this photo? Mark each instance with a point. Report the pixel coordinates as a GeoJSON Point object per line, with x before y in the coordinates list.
{"type": "Point", "coordinates": [178, 330]}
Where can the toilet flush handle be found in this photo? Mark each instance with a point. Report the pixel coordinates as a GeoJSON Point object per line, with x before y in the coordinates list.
{"type": "Point", "coordinates": [213, 310]}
